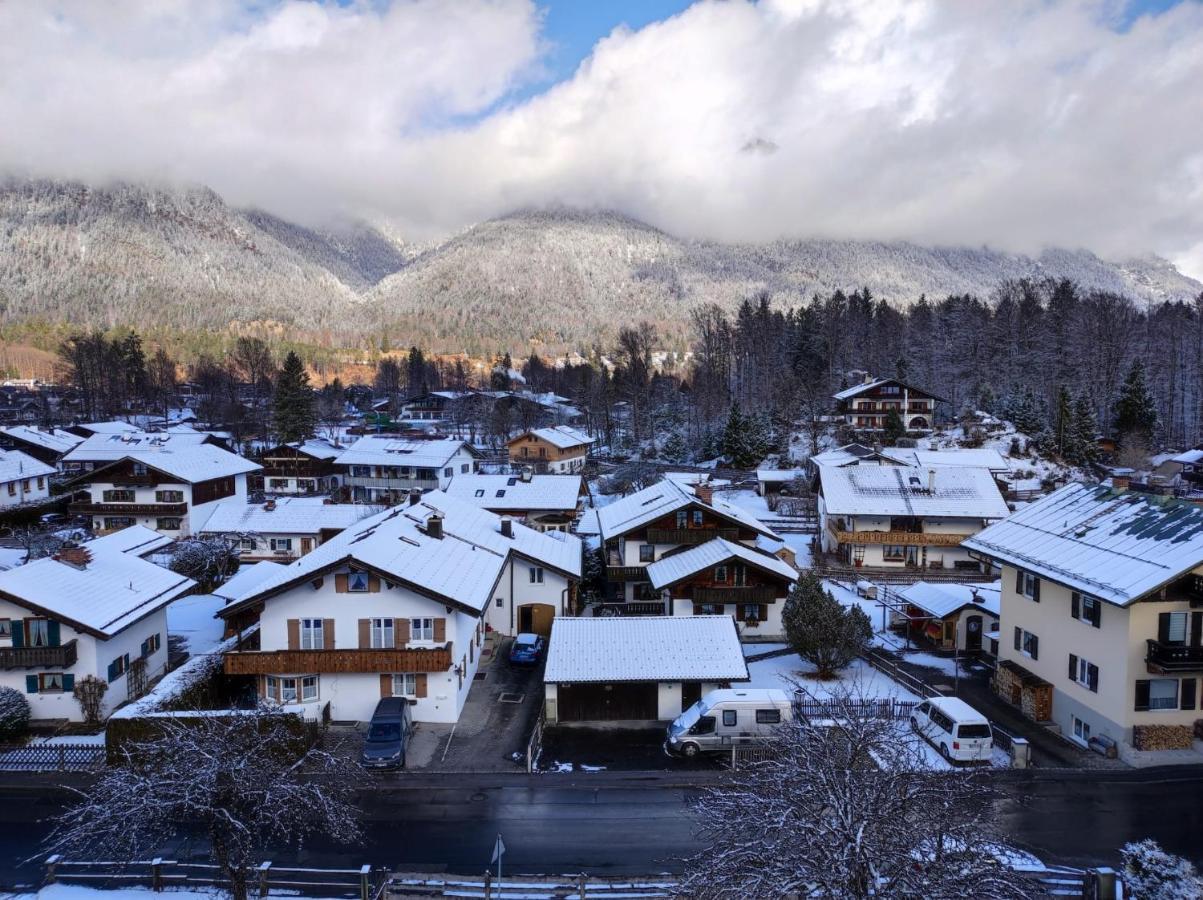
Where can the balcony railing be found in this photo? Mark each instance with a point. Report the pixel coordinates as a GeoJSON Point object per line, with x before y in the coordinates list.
{"type": "Point", "coordinates": [634, 608]}
{"type": "Point", "coordinates": [60, 657]}
{"type": "Point", "coordinates": [626, 573]}
{"type": "Point", "coordinates": [758, 594]}
{"type": "Point", "coordinates": [292, 662]}
{"type": "Point", "coordinates": [690, 535]}
{"type": "Point", "coordinates": [397, 483]}
{"type": "Point", "coordinates": [128, 509]}
{"type": "Point", "coordinates": [1163, 658]}
{"type": "Point", "coordinates": [906, 538]}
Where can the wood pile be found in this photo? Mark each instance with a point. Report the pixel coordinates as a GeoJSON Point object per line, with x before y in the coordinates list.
{"type": "Point", "coordinates": [1162, 737]}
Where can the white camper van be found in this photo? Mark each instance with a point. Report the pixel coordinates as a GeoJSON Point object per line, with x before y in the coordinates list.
{"type": "Point", "coordinates": [725, 718]}
{"type": "Point", "coordinates": [959, 731]}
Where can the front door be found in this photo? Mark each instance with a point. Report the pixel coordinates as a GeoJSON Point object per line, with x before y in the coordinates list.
{"type": "Point", "coordinates": [691, 693]}
{"type": "Point", "coordinates": [973, 633]}
{"type": "Point", "coordinates": [535, 618]}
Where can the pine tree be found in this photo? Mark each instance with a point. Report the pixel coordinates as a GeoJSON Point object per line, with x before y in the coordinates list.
{"type": "Point", "coordinates": [1083, 443]}
{"type": "Point", "coordinates": [740, 443]}
{"type": "Point", "coordinates": [292, 413]}
{"type": "Point", "coordinates": [1135, 411]}
{"type": "Point", "coordinates": [894, 427]}
{"type": "Point", "coordinates": [1063, 422]}
{"type": "Point", "coordinates": [825, 633]}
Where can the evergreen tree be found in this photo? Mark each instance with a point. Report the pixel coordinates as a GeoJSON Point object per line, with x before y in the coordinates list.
{"type": "Point", "coordinates": [1135, 411]}
{"type": "Point", "coordinates": [745, 439]}
{"type": "Point", "coordinates": [499, 380]}
{"type": "Point", "coordinates": [1063, 422]}
{"type": "Point", "coordinates": [292, 413]}
{"type": "Point", "coordinates": [1082, 447]}
{"type": "Point", "coordinates": [825, 633]}
{"type": "Point", "coordinates": [894, 428]}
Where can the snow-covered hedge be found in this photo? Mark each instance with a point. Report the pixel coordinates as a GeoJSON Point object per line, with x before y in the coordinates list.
{"type": "Point", "coordinates": [1152, 874]}
{"type": "Point", "coordinates": [14, 713]}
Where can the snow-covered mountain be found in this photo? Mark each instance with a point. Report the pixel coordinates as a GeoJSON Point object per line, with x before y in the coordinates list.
{"type": "Point", "coordinates": [558, 279]}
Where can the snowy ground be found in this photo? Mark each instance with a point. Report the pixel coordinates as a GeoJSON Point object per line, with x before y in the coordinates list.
{"type": "Point", "coordinates": [859, 679]}
{"type": "Point", "coordinates": [80, 892]}
{"type": "Point", "coordinates": [755, 649]}
{"type": "Point", "coordinates": [192, 618]}
{"type": "Point", "coordinates": [11, 557]}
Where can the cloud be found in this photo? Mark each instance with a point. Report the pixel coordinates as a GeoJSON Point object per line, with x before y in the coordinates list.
{"type": "Point", "coordinates": [1018, 125]}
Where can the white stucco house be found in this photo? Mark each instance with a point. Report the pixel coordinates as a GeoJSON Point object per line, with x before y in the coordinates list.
{"type": "Point", "coordinates": [23, 479]}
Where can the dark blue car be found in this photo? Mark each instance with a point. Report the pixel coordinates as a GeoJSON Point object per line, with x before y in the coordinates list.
{"type": "Point", "coordinates": [526, 650]}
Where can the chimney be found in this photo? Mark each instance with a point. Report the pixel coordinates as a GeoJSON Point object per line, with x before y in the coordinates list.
{"type": "Point", "coordinates": [269, 505]}
{"type": "Point", "coordinates": [507, 527]}
{"type": "Point", "coordinates": [1120, 482]}
{"type": "Point", "coordinates": [704, 491]}
{"type": "Point", "coordinates": [868, 379]}
{"type": "Point", "coordinates": [931, 481]}
{"type": "Point", "coordinates": [414, 497]}
{"type": "Point", "coordinates": [975, 595]}
{"type": "Point", "coordinates": [434, 526]}
{"type": "Point", "coordinates": [527, 474]}
{"type": "Point", "coordinates": [76, 556]}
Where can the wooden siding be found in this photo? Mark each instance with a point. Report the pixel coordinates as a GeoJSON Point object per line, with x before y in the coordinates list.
{"type": "Point", "coordinates": [292, 662]}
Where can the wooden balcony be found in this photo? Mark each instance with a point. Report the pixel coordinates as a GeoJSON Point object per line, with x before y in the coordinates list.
{"type": "Point", "coordinates": [61, 657]}
{"type": "Point", "coordinates": [626, 573]}
{"type": "Point", "coordinates": [899, 538]}
{"type": "Point", "coordinates": [759, 594]}
{"type": "Point", "coordinates": [395, 483]}
{"type": "Point", "coordinates": [296, 662]}
{"type": "Point", "coordinates": [1165, 659]}
{"type": "Point", "coordinates": [690, 535]}
{"type": "Point", "coordinates": [634, 608]}
{"type": "Point", "coordinates": [128, 509]}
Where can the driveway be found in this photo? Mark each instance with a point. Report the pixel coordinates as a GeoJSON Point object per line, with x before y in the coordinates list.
{"type": "Point", "coordinates": [495, 723]}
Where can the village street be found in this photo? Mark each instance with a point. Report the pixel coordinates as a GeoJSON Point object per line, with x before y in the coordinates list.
{"type": "Point", "coordinates": [623, 823]}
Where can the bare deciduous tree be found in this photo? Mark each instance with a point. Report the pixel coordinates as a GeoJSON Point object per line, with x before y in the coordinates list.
{"type": "Point", "coordinates": [252, 782]}
{"type": "Point", "coordinates": [89, 693]}
{"type": "Point", "coordinates": [845, 809]}
{"type": "Point", "coordinates": [210, 559]}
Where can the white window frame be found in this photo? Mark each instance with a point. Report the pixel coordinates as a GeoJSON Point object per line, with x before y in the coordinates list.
{"type": "Point", "coordinates": [1081, 730]}
{"type": "Point", "coordinates": [1153, 702]}
{"type": "Point", "coordinates": [1025, 643]}
{"type": "Point", "coordinates": [408, 682]}
{"type": "Point", "coordinates": [1029, 585]}
{"type": "Point", "coordinates": [309, 629]}
{"type": "Point", "coordinates": [421, 629]}
{"type": "Point", "coordinates": [1083, 675]}
{"type": "Point", "coordinates": [282, 544]}
{"type": "Point", "coordinates": [1094, 602]}
{"type": "Point", "coordinates": [285, 689]}
{"type": "Point", "coordinates": [383, 633]}
{"type": "Point", "coordinates": [309, 688]}
{"type": "Point", "coordinates": [536, 574]}
{"type": "Point", "coordinates": [1184, 633]}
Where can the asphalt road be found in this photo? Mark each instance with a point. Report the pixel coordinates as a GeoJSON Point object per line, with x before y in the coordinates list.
{"type": "Point", "coordinates": [632, 824]}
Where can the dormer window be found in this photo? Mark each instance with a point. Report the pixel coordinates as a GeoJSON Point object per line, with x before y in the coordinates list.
{"type": "Point", "coordinates": [357, 582]}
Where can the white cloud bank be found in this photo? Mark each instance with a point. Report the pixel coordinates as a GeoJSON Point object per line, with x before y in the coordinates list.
{"type": "Point", "coordinates": [1017, 124]}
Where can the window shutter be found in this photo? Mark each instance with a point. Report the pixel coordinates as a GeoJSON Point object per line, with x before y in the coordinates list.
{"type": "Point", "coordinates": [1073, 667]}
{"type": "Point", "coordinates": [340, 583]}
{"type": "Point", "coordinates": [402, 632]}
{"type": "Point", "coordinates": [142, 650]}
{"type": "Point", "coordinates": [294, 634]}
{"type": "Point", "coordinates": [328, 634]}
{"type": "Point", "coordinates": [1142, 695]}
{"type": "Point", "coordinates": [420, 685]}
{"type": "Point", "coordinates": [373, 584]}
{"type": "Point", "coordinates": [386, 684]}
{"type": "Point", "coordinates": [1196, 629]}
{"type": "Point", "coordinates": [764, 612]}
{"type": "Point", "coordinates": [18, 632]}
{"type": "Point", "coordinates": [1075, 605]}
{"type": "Point", "coordinates": [1092, 677]}
{"type": "Point", "coordinates": [1163, 628]}
{"type": "Point", "coordinates": [1096, 618]}
{"type": "Point", "coordinates": [365, 635]}
{"type": "Point", "coordinates": [112, 671]}
{"type": "Point", "coordinates": [1018, 638]}
{"type": "Point", "coordinates": [53, 632]}
{"type": "Point", "coordinates": [1019, 581]}
{"type": "Point", "coordinates": [68, 683]}
{"type": "Point", "coordinates": [31, 684]}
{"type": "Point", "coordinates": [1035, 647]}
{"type": "Point", "coordinates": [440, 630]}
{"type": "Point", "coordinates": [1187, 694]}
{"type": "Point", "coordinates": [1036, 590]}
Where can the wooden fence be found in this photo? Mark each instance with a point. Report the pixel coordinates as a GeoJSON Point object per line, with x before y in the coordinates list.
{"type": "Point", "coordinates": [157, 874]}
{"type": "Point", "coordinates": [528, 887]}
{"type": "Point", "coordinates": [871, 708]}
{"type": "Point", "coordinates": [52, 757]}
{"type": "Point", "coordinates": [534, 744]}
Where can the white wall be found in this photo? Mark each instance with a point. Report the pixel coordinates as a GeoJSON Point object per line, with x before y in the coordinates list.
{"type": "Point", "coordinates": [771, 627]}
{"type": "Point", "coordinates": [21, 493]}
{"type": "Point", "coordinates": [515, 589]}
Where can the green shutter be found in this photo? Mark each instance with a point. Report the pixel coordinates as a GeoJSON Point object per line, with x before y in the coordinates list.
{"type": "Point", "coordinates": [68, 683]}
{"type": "Point", "coordinates": [31, 684]}
{"type": "Point", "coordinates": [112, 671]}
{"type": "Point", "coordinates": [18, 630]}
{"type": "Point", "coordinates": [143, 652]}
{"type": "Point", "coordinates": [52, 632]}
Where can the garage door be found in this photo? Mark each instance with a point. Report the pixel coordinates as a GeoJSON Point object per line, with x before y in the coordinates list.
{"type": "Point", "coordinates": [607, 702]}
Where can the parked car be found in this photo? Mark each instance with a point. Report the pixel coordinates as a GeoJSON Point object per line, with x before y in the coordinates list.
{"type": "Point", "coordinates": [526, 650]}
{"type": "Point", "coordinates": [727, 717]}
{"type": "Point", "coordinates": [388, 735]}
{"type": "Point", "coordinates": [955, 728]}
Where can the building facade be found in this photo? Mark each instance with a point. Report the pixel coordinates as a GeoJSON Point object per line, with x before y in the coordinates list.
{"type": "Point", "coordinates": [867, 406]}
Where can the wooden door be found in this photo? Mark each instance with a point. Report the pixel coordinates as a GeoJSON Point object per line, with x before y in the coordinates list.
{"type": "Point", "coordinates": [535, 618]}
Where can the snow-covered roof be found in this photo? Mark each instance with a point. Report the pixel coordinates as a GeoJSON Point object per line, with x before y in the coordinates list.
{"type": "Point", "coordinates": [115, 589]}
{"type": "Point", "coordinates": [56, 441]}
{"type": "Point", "coordinates": [904, 491]}
{"type": "Point", "coordinates": [1117, 546]}
{"type": "Point", "coordinates": [178, 456]}
{"type": "Point", "coordinates": [672, 569]}
{"type": "Point", "coordinates": [286, 515]}
{"type": "Point", "coordinates": [15, 465]}
{"type": "Point", "coordinates": [383, 450]}
{"type": "Point", "coordinates": [247, 580]}
{"type": "Point", "coordinates": [108, 427]}
{"type": "Point", "coordinates": [688, 479]}
{"type": "Point", "coordinates": [511, 493]}
{"type": "Point", "coordinates": [857, 389]}
{"type": "Point", "coordinates": [109, 447]}
{"type": "Point", "coordinates": [941, 600]}
{"type": "Point", "coordinates": [317, 448]}
{"type": "Point", "coordinates": [462, 566]}
{"type": "Point", "coordinates": [661, 499]}
{"type": "Point", "coordinates": [644, 648]}
{"type": "Point", "coordinates": [776, 476]}
{"type": "Point", "coordinates": [854, 454]}
{"type": "Point", "coordinates": [974, 458]}
{"type": "Point", "coordinates": [560, 436]}
{"type": "Point", "coordinates": [1190, 457]}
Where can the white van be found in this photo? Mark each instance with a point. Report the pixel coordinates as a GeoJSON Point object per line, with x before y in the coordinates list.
{"type": "Point", "coordinates": [959, 731]}
{"type": "Point", "coordinates": [725, 718]}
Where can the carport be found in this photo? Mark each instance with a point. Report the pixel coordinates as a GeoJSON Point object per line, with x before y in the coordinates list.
{"type": "Point", "coordinates": [637, 669]}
